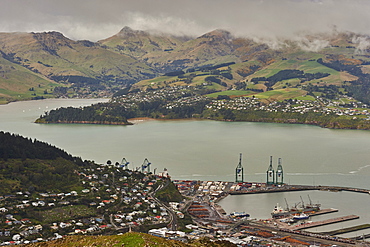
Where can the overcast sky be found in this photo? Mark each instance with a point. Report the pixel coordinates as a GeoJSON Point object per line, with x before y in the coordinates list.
{"type": "Point", "coordinates": [99, 19]}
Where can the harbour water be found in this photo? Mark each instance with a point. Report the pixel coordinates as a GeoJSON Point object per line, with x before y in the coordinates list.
{"type": "Point", "coordinates": [260, 206]}
{"type": "Point", "coordinates": [209, 150]}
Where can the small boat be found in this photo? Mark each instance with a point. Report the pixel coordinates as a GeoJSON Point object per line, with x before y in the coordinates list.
{"type": "Point", "coordinates": [239, 214]}
{"type": "Point", "coordinates": [301, 216]}
{"type": "Point", "coordinates": [288, 220]}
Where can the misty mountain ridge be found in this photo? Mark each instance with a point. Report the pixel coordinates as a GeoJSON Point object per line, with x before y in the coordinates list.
{"type": "Point", "coordinates": [36, 63]}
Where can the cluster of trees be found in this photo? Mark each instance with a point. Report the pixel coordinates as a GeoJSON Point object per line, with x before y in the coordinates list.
{"type": "Point", "coordinates": [76, 79]}
{"type": "Point", "coordinates": [113, 114]}
{"type": "Point", "coordinates": [340, 66]}
{"type": "Point", "coordinates": [244, 72]}
{"type": "Point", "coordinates": [60, 90]}
{"type": "Point", "coordinates": [185, 111]}
{"type": "Point", "coordinates": [175, 73]}
{"type": "Point", "coordinates": [328, 91]}
{"type": "Point", "coordinates": [240, 85]}
{"type": "Point", "coordinates": [14, 146]}
{"type": "Point", "coordinates": [358, 89]}
{"type": "Point", "coordinates": [207, 70]}
{"type": "Point", "coordinates": [215, 80]}
{"type": "Point", "coordinates": [78, 82]}
{"type": "Point", "coordinates": [209, 67]}
{"type": "Point", "coordinates": [169, 193]}
{"type": "Point", "coordinates": [46, 65]}
{"type": "Point", "coordinates": [289, 74]}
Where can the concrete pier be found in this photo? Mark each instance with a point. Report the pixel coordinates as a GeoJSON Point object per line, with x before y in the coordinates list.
{"type": "Point", "coordinates": [324, 222]}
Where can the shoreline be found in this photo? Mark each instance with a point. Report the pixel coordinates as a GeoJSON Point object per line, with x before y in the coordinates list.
{"type": "Point", "coordinates": [312, 123]}
{"type": "Point", "coordinates": [148, 119]}
{"type": "Point", "coordinates": [138, 120]}
{"type": "Point", "coordinates": [363, 125]}
{"type": "Point", "coordinates": [52, 98]}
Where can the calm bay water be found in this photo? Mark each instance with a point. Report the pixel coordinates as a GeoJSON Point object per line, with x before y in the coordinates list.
{"type": "Point", "coordinates": [209, 150]}
{"type": "Point", "coordinates": [206, 149]}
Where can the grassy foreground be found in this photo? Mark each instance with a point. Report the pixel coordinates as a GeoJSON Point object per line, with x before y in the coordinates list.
{"type": "Point", "coordinates": [130, 239]}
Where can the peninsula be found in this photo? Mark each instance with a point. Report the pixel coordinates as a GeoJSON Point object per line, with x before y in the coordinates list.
{"type": "Point", "coordinates": [182, 102]}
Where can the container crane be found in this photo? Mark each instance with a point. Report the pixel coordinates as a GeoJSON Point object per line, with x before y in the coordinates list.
{"type": "Point", "coordinates": [124, 164]}
{"type": "Point", "coordinates": [145, 166]}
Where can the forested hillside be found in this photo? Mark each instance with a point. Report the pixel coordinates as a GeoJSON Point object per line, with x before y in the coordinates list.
{"type": "Point", "coordinates": [31, 165]}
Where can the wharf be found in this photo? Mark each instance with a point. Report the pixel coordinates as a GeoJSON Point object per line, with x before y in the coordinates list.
{"type": "Point", "coordinates": [349, 229]}
{"type": "Point", "coordinates": [362, 237]}
{"type": "Point", "coordinates": [324, 211]}
{"type": "Point", "coordinates": [324, 222]}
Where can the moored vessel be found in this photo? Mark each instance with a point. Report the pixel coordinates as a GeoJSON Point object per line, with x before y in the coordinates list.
{"type": "Point", "coordinates": [280, 212]}
{"type": "Point", "coordinates": [301, 216]}
{"type": "Point", "coordinates": [239, 214]}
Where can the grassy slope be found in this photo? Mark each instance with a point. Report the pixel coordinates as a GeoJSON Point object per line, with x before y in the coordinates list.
{"type": "Point", "coordinates": [204, 50]}
{"type": "Point", "coordinates": [231, 93]}
{"type": "Point", "coordinates": [307, 66]}
{"type": "Point", "coordinates": [128, 240]}
{"type": "Point", "coordinates": [281, 94]}
{"type": "Point", "coordinates": [67, 57]}
{"type": "Point", "coordinates": [141, 44]}
{"type": "Point", "coordinates": [15, 82]}
{"type": "Point", "coordinates": [98, 61]}
{"type": "Point", "coordinates": [53, 54]}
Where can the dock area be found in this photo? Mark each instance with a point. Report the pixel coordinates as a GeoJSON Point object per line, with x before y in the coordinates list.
{"type": "Point", "coordinates": [324, 222]}
{"type": "Point", "coordinates": [206, 211]}
{"type": "Point", "coordinates": [289, 188]}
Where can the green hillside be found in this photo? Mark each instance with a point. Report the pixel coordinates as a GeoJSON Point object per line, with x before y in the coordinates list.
{"type": "Point", "coordinates": [36, 166]}
{"type": "Point", "coordinates": [44, 61]}
{"type": "Point", "coordinates": [18, 83]}
{"type": "Point", "coordinates": [40, 65]}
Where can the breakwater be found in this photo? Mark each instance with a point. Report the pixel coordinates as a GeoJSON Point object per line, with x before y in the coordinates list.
{"type": "Point", "coordinates": [289, 188]}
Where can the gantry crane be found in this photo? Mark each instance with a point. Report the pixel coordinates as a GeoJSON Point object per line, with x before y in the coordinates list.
{"type": "Point", "coordinates": [270, 173]}
{"type": "Point", "coordinates": [279, 173]}
{"type": "Point", "coordinates": [239, 171]}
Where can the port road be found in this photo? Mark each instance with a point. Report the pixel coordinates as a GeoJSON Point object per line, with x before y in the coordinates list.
{"type": "Point", "coordinates": [172, 224]}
